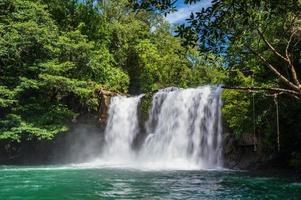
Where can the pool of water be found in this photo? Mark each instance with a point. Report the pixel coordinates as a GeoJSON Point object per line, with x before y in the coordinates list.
{"type": "Point", "coordinates": [115, 183]}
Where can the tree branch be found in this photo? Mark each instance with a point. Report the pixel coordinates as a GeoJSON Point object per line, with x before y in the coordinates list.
{"type": "Point", "coordinates": [286, 58]}
{"type": "Point", "coordinates": [275, 71]}
{"type": "Point", "coordinates": [263, 89]}
{"type": "Point", "coordinates": [271, 46]}
{"type": "Point", "coordinates": [290, 63]}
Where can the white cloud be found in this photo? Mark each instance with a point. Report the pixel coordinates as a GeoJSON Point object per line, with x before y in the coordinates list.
{"type": "Point", "coordinates": [184, 12]}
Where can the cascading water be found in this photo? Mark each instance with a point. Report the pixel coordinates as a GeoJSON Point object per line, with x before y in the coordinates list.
{"type": "Point", "coordinates": [121, 129]}
{"type": "Point", "coordinates": [184, 131]}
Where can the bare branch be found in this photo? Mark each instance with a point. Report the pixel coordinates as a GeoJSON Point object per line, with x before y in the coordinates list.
{"type": "Point", "coordinates": [290, 63]}
{"type": "Point", "coordinates": [275, 71]}
{"type": "Point", "coordinates": [286, 58]}
{"type": "Point", "coordinates": [271, 46]}
{"type": "Point", "coordinates": [288, 45]}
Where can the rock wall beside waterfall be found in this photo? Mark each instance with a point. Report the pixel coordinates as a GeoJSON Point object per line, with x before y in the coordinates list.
{"type": "Point", "coordinates": [240, 153]}
{"type": "Point", "coordinates": [104, 103]}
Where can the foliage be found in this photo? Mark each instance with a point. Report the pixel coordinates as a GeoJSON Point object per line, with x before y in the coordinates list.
{"type": "Point", "coordinates": [55, 56]}
{"type": "Point", "coordinates": [47, 75]}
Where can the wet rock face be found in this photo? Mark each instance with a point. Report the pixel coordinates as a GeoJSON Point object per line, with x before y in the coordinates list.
{"type": "Point", "coordinates": [104, 107]}
{"type": "Point", "coordinates": [105, 98]}
{"type": "Point", "coordinates": [239, 152]}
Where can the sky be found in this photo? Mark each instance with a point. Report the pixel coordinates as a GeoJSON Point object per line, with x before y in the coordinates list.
{"type": "Point", "coordinates": [184, 10]}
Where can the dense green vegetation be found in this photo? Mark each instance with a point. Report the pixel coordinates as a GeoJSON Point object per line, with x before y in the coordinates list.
{"type": "Point", "coordinates": [56, 55]}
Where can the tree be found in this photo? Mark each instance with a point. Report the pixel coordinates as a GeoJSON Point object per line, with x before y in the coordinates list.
{"type": "Point", "coordinates": [143, 46]}
{"type": "Point", "coordinates": [48, 76]}
{"type": "Point", "coordinates": [262, 30]}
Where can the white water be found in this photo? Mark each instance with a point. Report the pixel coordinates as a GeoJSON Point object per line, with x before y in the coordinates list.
{"type": "Point", "coordinates": [121, 130]}
{"type": "Point", "coordinates": [184, 131]}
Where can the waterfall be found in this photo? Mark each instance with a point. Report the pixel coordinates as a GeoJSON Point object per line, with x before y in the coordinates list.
{"type": "Point", "coordinates": [184, 131]}
{"type": "Point", "coordinates": [121, 129]}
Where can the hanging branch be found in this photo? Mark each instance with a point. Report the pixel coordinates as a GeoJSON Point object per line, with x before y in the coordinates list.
{"type": "Point", "coordinates": [254, 123]}
{"type": "Point", "coordinates": [275, 92]}
{"type": "Point", "coordinates": [277, 122]}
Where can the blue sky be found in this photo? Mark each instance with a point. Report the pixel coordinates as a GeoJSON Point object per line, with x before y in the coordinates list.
{"type": "Point", "coordinates": [183, 10]}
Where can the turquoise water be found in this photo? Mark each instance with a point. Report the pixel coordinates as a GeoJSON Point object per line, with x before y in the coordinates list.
{"type": "Point", "coordinates": [78, 183]}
